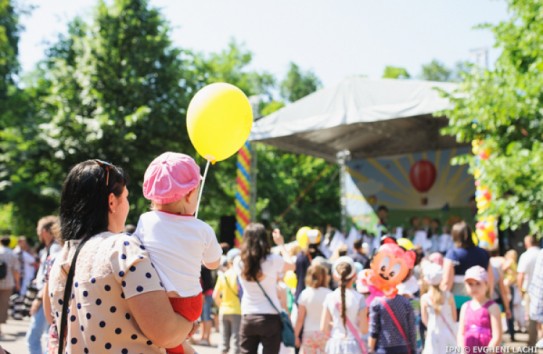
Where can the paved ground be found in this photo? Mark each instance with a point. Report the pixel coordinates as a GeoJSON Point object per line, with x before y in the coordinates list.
{"type": "Point", "coordinates": [13, 338]}
{"type": "Point", "coordinates": [13, 333]}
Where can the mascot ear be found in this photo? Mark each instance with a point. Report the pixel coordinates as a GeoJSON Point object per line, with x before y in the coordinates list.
{"type": "Point", "coordinates": [411, 257]}
{"type": "Point", "coordinates": [388, 239]}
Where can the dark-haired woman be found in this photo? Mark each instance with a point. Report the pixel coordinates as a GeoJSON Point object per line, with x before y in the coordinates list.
{"type": "Point", "coordinates": [345, 316]}
{"type": "Point", "coordinates": [117, 303]}
{"type": "Point", "coordinates": [258, 270]}
{"type": "Point", "coordinates": [463, 256]}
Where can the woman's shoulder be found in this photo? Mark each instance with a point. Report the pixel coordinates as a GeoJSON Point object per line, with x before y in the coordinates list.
{"type": "Point", "coordinates": [455, 254]}
{"type": "Point", "coordinates": [118, 240]}
{"type": "Point", "coordinates": [274, 259]}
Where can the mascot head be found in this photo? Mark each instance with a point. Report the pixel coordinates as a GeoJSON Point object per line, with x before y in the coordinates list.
{"type": "Point", "coordinates": [389, 266]}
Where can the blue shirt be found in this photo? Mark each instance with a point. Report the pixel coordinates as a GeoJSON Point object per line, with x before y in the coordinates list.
{"type": "Point", "coordinates": [465, 258]}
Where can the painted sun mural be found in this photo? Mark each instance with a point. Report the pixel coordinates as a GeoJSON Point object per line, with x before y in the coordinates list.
{"type": "Point", "coordinates": [412, 182]}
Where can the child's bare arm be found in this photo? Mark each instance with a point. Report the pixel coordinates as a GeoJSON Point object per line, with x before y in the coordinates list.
{"type": "Point", "coordinates": [452, 304]}
{"type": "Point", "coordinates": [496, 325]}
{"type": "Point", "coordinates": [326, 318]}
{"type": "Point", "coordinates": [299, 323]}
{"type": "Point", "coordinates": [424, 311]}
{"type": "Point", "coordinates": [363, 320]}
{"type": "Point", "coordinates": [460, 334]}
{"type": "Point", "coordinates": [212, 265]}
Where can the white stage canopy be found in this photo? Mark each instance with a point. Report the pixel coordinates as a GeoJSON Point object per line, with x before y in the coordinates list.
{"type": "Point", "coordinates": [368, 117]}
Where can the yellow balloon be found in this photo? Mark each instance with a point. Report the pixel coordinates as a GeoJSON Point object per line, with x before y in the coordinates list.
{"type": "Point", "coordinates": [405, 243]}
{"type": "Point", "coordinates": [290, 279]}
{"type": "Point", "coordinates": [302, 238]}
{"type": "Point", "coordinates": [219, 121]}
{"type": "Point", "coordinates": [13, 241]}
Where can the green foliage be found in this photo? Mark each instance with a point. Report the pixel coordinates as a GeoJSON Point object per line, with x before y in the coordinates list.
{"type": "Point", "coordinates": [296, 190]}
{"type": "Point", "coordinates": [298, 84]}
{"type": "Point", "coordinates": [436, 71]}
{"type": "Point", "coordinates": [109, 89]}
{"type": "Point", "coordinates": [6, 215]}
{"type": "Point", "coordinates": [502, 107]}
{"type": "Point", "coordinates": [394, 72]}
{"type": "Point", "coordinates": [9, 39]}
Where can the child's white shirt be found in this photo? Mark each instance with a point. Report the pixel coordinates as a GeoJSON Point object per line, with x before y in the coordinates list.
{"type": "Point", "coordinates": [354, 303]}
{"type": "Point", "coordinates": [178, 245]}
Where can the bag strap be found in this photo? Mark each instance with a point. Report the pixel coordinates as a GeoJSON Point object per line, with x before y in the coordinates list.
{"type": "Point", "coordinates": [354, 331]}
{"type": "Point", "coordinates": [267, 297]}
{"type": "Point", "coordinates": [397, 323]}
{"type": "Point", "coordinates": [228, 285]}
{"type": "Point", "coordinates": [66, 299]}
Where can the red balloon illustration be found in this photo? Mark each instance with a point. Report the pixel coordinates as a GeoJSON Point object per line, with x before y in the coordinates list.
{"type": "Point", "coordinates": [423, 175]}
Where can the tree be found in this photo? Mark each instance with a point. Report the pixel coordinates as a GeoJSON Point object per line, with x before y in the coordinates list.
{"type": "Point", "coordinates": [298, 84]}
{"type": "Point", "coordinates": [502, 108]}
{"type": "Point", "coordinates": [9, 40]}
{"type": "Point", "coordinates": [16, 112]}
{"type": "Point", "coordinates": [113, 89]}
{"type": "Point", "coordinates": [394, 72]}
{"type": "Point", "coordinates": [436, 71]}
{"type": "Point", "coordinates": [309, 190]}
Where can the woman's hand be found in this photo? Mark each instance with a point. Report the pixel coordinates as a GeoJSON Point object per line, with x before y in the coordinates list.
{"type": "Point", "coordinates": [36, 305]}
{"type": "Point", "coordinates": [297, 342]}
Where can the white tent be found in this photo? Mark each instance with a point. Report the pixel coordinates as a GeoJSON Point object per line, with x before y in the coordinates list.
{"type": "Point", "coordinates": [367, 117]}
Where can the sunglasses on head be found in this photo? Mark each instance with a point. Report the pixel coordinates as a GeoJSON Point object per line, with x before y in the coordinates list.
{"type": "Point", "coordinates": [107, 166]}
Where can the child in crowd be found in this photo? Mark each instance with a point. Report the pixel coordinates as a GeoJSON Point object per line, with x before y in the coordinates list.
{"type": "Point", "coordinates": [310, 306]}
{"type": "Point", "coordinates": [438, 312]}
{"type": "Point", "coordinates": [177, 242]}
{"type": "Point", "coordinates": [227, 297]}
{"type": "Point", "coordinates": [392, 318]}
{"type": "Point", "coordinates": [480, 322]}
{"type": "Point", "coordinates": [346, 309]}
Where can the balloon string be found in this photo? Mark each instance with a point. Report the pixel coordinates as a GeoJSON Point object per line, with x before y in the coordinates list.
{"type": "Point", "coordinates": [201, 189]}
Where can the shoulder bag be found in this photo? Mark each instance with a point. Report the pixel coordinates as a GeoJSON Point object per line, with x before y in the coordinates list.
{"type": "Point", "coordinates": [287, 332]}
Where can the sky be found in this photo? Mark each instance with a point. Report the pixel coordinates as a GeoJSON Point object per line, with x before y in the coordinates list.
{"type": "Point", "coordinates": [334, 39]}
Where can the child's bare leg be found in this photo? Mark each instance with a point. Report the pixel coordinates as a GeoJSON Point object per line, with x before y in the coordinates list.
{"type": "Point", "coordinates": [188, 348]}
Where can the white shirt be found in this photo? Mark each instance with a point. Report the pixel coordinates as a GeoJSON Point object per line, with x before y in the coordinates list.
{"type": "Point", "coordinates": [28, 270]}
{"type": "Point", "coordinates": [178, 245]}
{"type": "Point", "coordinates": [354, 302]}
{"type": "Point", "coordinates": [254, 301]}
{"type": "Point", "coordinates": [526, 265]}
{"type": "Point", "coordinates": [445, 242]}
{"type": "Point", "coordinates": [53, 249]}
{"type": "Point", "coordinates": [313, 300]}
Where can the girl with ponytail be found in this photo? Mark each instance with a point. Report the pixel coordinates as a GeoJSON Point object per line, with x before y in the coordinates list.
{"type": "Point", "coordinates": [345, 316]}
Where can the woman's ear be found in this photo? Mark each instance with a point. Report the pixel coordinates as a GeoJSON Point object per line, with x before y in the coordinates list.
{"type": "Point", "coordinates": [112, 203]}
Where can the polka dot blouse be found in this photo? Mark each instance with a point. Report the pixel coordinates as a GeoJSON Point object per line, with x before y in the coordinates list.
{"type": "Point", "coordinates": [110, 269]}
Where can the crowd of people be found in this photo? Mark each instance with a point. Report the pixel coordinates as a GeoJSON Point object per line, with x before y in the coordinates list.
{"type": "Point", "coordinates": [98, 286]}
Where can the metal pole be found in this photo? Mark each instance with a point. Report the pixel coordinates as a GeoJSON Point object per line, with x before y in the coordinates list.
{"type": "Point", "coordinates": [342, 157]}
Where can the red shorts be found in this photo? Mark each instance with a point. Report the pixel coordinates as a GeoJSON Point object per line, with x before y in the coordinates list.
{"type": "Point", "coordinates": [188, 307]}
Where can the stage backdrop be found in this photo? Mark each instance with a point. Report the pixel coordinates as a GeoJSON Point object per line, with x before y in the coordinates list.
{"type": "Point", "coordinates": [419, 184]}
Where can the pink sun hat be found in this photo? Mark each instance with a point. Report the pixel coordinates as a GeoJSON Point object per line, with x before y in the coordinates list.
{"type": "Point", "coordinates": [477, 273]}
{"type": "Point", "coordinates": [170, 177]}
